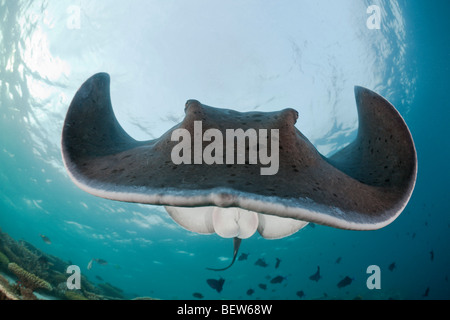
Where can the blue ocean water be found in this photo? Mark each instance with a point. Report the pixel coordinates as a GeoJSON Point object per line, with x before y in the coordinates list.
{"type": "Point", "coordinates": [301, 54]}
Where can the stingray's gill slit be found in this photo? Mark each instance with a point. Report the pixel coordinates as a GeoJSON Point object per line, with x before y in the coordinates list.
{"type": "Point", "coordinates": [364, 186]}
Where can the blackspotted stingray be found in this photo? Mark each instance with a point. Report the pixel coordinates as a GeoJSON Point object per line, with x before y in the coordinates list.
{"type": "Point", "coordinates": [364, 186]}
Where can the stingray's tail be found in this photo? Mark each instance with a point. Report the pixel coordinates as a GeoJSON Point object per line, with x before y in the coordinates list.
{"type": "Point", "coordinates": [236, 245]}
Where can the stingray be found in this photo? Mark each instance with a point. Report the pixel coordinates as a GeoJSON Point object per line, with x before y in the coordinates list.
{"type": "Point", "coordinates": [363, 186]}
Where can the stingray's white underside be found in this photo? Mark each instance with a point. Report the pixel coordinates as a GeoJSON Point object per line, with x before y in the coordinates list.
{"type": "Point", "coordinates": [234, 222]}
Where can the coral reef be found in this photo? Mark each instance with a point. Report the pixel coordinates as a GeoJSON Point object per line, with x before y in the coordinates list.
{"type": "Point", "coordinates": [112, 291]}
{"type": "Point", "coordinates": [29, 280]}
{"type": "Point", "coordinates": [4, 261]}
{"type": "Point", "coordinates": [6, 292]}
{"type": "Point", "coordinates": [37, 270]}
{"type": "Point", "coordinates": [72, 295]}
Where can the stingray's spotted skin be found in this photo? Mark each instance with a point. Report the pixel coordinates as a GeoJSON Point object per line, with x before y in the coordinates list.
{"type": "Point", "coordinates": [364, 186]}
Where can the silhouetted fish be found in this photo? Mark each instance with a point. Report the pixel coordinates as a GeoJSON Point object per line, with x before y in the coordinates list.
{"type": "Point", "coordinates": [250, 292]}
{"type": "Point", "coordinates": [45, 239]}
{"type": "Point", "coordinates": [392, 266]}
{"type": "Point", "coordinates": [262, 286]}
{"type": "Point", "coordinates": [338, 260]}
{"type": "Point", "coordinates": [216, 284]}
{"type": "Point", "coordinates": [89, 266]}
{"type": "Point", "coordinates": [99, 278]}
{"type": "Point", "coordinates": [243, 256]}
{"type": "Point", "coordinates": [431, 255]}
{"type": "Point", "coordinates": [261, 263]}
{"type": "Point", "coordinates": [344, 282]}
{"type": "Point", "coordinates": [316, 276]}
{"type": "Point", "coordinates": [300, 294]}
{"type": "Point", "coordinates": [426, 292]}
{"type": "Point", "coordinates": [197, 295]}
{"type": "Point", "coordinates": [277, 264]}
{"type": "Point", "coordinates": [312, 225]}
{"type": "Point", "coordinates": [101, 261]}
{"type": "Point", "coordinates": [277, 279]}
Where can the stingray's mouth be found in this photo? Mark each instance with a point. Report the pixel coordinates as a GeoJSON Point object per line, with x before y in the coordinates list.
{"type": "Point", "coordinates": [234, 222]}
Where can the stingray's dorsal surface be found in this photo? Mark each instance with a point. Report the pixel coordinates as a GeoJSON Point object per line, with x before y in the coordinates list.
{"type": "Point", "coordinates": [364, 186]}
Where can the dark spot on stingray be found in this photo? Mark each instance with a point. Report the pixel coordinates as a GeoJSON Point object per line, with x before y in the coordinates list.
{"type": "Point", "coordinates": [126, 156]}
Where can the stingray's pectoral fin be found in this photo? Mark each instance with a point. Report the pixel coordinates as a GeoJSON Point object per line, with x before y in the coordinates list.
{"type": "Point", "coordinates": [236, 245]}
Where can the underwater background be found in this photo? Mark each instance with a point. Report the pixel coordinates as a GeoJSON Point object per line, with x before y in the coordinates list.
{"type": "Point", "coordinates": [252, 55]}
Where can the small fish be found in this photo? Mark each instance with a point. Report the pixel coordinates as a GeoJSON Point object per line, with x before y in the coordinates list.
{"type": "Point", "coordinates": [262, 286]}
{"type": "Point", "coordinates": [277, 279]}
{"type": "Point", "coordinates": [216, 284]}
{"type": "Point", "coordinates": [197, 295]}
{"type": "Point", "coordinates": [344, 282]}
{"type": "Point", "coordinates": [101, 261]}
{"type": "Point", "coordinates": [261, 263]}
{"type": "Point", "coordinates": [431, 255]}
{"type": "Point", "coordinates": [250, 292]}
{"type": "Point", "coordinates": [426, 292]}
{"type": "Point", "coordinates": [45, 239]}
{"type": "Point", "coordinates": [99, 278]}
{"type": "Point", "coordinates": [277, 264]}
{"type": "Point", "coordinates": [391, 266]}
{"type": "Point", "coordinates": [243, 256]}
{"type": "Point", "coordinates": [316, 276]}
{"type": "Point", "coordinates": [89, 266]}
{"type": "Point", "coordinates": [338, 260]}
{"type": "Point", "coordinates": [300, 294]}
{"type": "Point", "coordinates": [312, 225]}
